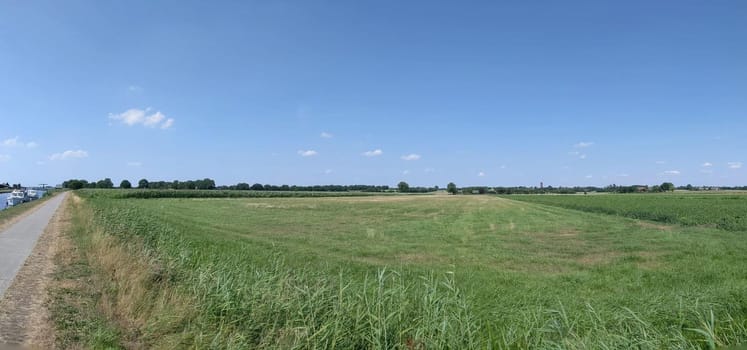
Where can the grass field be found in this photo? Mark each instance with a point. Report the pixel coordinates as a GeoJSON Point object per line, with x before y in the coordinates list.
{"type": "Point", "coordinates": [726, 211]}
{"type": "Point", "coordinates": [411, 272]}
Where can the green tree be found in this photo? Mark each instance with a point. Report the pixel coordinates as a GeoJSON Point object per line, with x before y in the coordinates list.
{"type": "Point", "coordinates": [257, 187]}
{"type": "Point", "coordinates": [125, 184]}
{"type": "Point", "coordinates": [143, 183]}
{"type": "Point", "coordinates": [75, 184]}
{"type": "Point", "coordinates": [403, 186]}
{"type": "Point", "coordinates": [243, 186]}
{"type": "Point", "coordinates": [667, 187]}
{"type": "Point", "coordinates": [451, 188]}
{"type": "Point", "coordinates": [105, 183]}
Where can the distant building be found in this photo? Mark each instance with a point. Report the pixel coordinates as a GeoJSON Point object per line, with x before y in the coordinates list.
{"type": "Point", "coordinates": [641, 188]}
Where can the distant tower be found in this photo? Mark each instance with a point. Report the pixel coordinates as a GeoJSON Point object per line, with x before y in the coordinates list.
{"type": "Point", "coordinates": [542, 185]}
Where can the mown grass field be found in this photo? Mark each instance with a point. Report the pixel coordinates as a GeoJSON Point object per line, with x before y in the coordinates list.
{"type": "Point", "coordinates": [410, 272]}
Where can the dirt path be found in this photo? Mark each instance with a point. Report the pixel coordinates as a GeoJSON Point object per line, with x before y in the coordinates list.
{"type": "Point", "coordinates": [24, 318]}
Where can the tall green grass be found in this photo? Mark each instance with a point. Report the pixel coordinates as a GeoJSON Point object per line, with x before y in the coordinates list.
{"type": "Point", "coordinates": [725, 211]}
{"type": "Point", "coordinates": [228, 290]}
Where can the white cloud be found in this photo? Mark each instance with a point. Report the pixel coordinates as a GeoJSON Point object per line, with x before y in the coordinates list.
{"type": "Point", "coordinates": [326, 135]}
{"type": "Point", "coordinates": [168, 123]}
{"type": "Point", "coordinates": [153, 119]}
{"type": "Point", "coordinates": [136, 116]}
{"type": "Point", "coordinates": [69, 155]}
{"type": "Point", "coordinates": [134, 164]}
{"type": "Point", "coordinates": [481, 174]}
{"type": "Point", "coordinates": [583, 156]}
{"type": "Point", "coordinates": [707, 164]}
{"type": "Point", "coordinates": [734, 165]}
{"type": "Point", "coordinates": [672, 172]}
{"type": "Point", "coordinates": [588, 176]}
{"type": "Point", "coordinates": [374, 153]}
{"type": "Point", "coordinates": [411, 156]}
{"type": "Point", "coordinates": [16, 142]}
{"type": "Point", "coordinates": [583, 144]}
{"type": "Point", "coordinates": [328, 171]}
{"type": "Point", "coordinates": [307, 153]}
{"type": "Point", "coordinates": [12, 142]}
{"type": "Point", "coordinates": [405, 172]}
{"type": "Point", "coordinates": [4, 157]}
{"type": "Point", "coordinates": [623, 175]}
{"type": "Point", "coordinates": [130, 117]}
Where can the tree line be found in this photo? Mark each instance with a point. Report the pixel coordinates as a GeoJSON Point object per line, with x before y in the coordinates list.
{"type": "Point", "coordinates": [403, 187]}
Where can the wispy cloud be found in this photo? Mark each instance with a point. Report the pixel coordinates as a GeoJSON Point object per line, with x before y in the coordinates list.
{"type": "Point", "coordinates": [583, 144]}
{"type": "Point", "coordinates": [583, 156]}
{"type": "Point", "coordinates": [71, 154]}
{"type": "Point", "coordinates": [623, 175]}
{"type": "Point", "coordinates": [588, 176]}
{"type": "Point", "coordinates": [11, 142]}
{"type": "Point", "coordinates": [16, 142]}
{"type": "Point", "coordinates": [328, 171]}
{"type": "Point", "coordinates": [411, 156]}
{"type": "Point", "coordinates": [134, 89]}
{"type": "Point", "coordinates": [134, 164]}
{"type": "Point", "coordinates": [307, 153]}
{"type": "Point", "coordinates": [136, 116]}
{"type": "Point", "coordinates": [481, 174]}
{"type": "Point", "coordinates": [405, 172]}
{"type": "Point", "coordinates": [707, 164]}
{"type": "Point", "coordinates": [4, 157]}
{"type": "Point", "coordinates": [734, 165]}
{"type": "Point", "coordinates": [154, 119]}
{"type": "Point", "coordinates": [326, 135]}
{"type": "Point", "coordinates": [672, 172]}
{"type": "Point", "coordinates": [429, 170]}
{"type": "Point", "coordinates": [374, 153]}
{"type": "Point", "coordinates": [661, 162]}
{"type": "Point", "coordinates": [168, 123]}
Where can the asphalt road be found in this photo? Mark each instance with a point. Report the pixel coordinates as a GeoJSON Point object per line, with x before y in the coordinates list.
{"type": "Point", "coordinates": [17, 241]}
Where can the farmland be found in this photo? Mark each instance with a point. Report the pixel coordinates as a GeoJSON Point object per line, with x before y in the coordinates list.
{"type": "Point", "coordinates": [408, 272]}
{"type": "Point", "coordinates": [726, 211]}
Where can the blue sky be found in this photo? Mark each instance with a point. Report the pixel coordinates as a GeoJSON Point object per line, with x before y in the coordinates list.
{"type": "Point", "coordinates": [374, 92]}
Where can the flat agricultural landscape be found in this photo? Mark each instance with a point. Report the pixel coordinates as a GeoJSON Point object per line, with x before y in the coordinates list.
{"type": "Point", "coordinates": [411, 272]}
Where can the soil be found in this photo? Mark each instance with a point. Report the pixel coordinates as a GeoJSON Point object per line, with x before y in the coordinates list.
{"type": "Point", "coordinates": [24, 317]}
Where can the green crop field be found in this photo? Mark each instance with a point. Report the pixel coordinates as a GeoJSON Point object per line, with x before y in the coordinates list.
{"type": "Point", "coordinates": [726, 211]}
{"type": "Point", "coordinates": [414, 272]}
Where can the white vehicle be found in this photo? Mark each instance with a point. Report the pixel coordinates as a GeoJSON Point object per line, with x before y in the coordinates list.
{"type": "Point", "coordinates": [32, 194]}
{"type": "Point", "coordinates": [16, 197]}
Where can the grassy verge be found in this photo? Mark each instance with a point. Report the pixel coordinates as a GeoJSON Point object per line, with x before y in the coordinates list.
{"type": "Point", "coordinates": [75, 296]}
{"type": "Point", "coordinates": [406, 272]}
